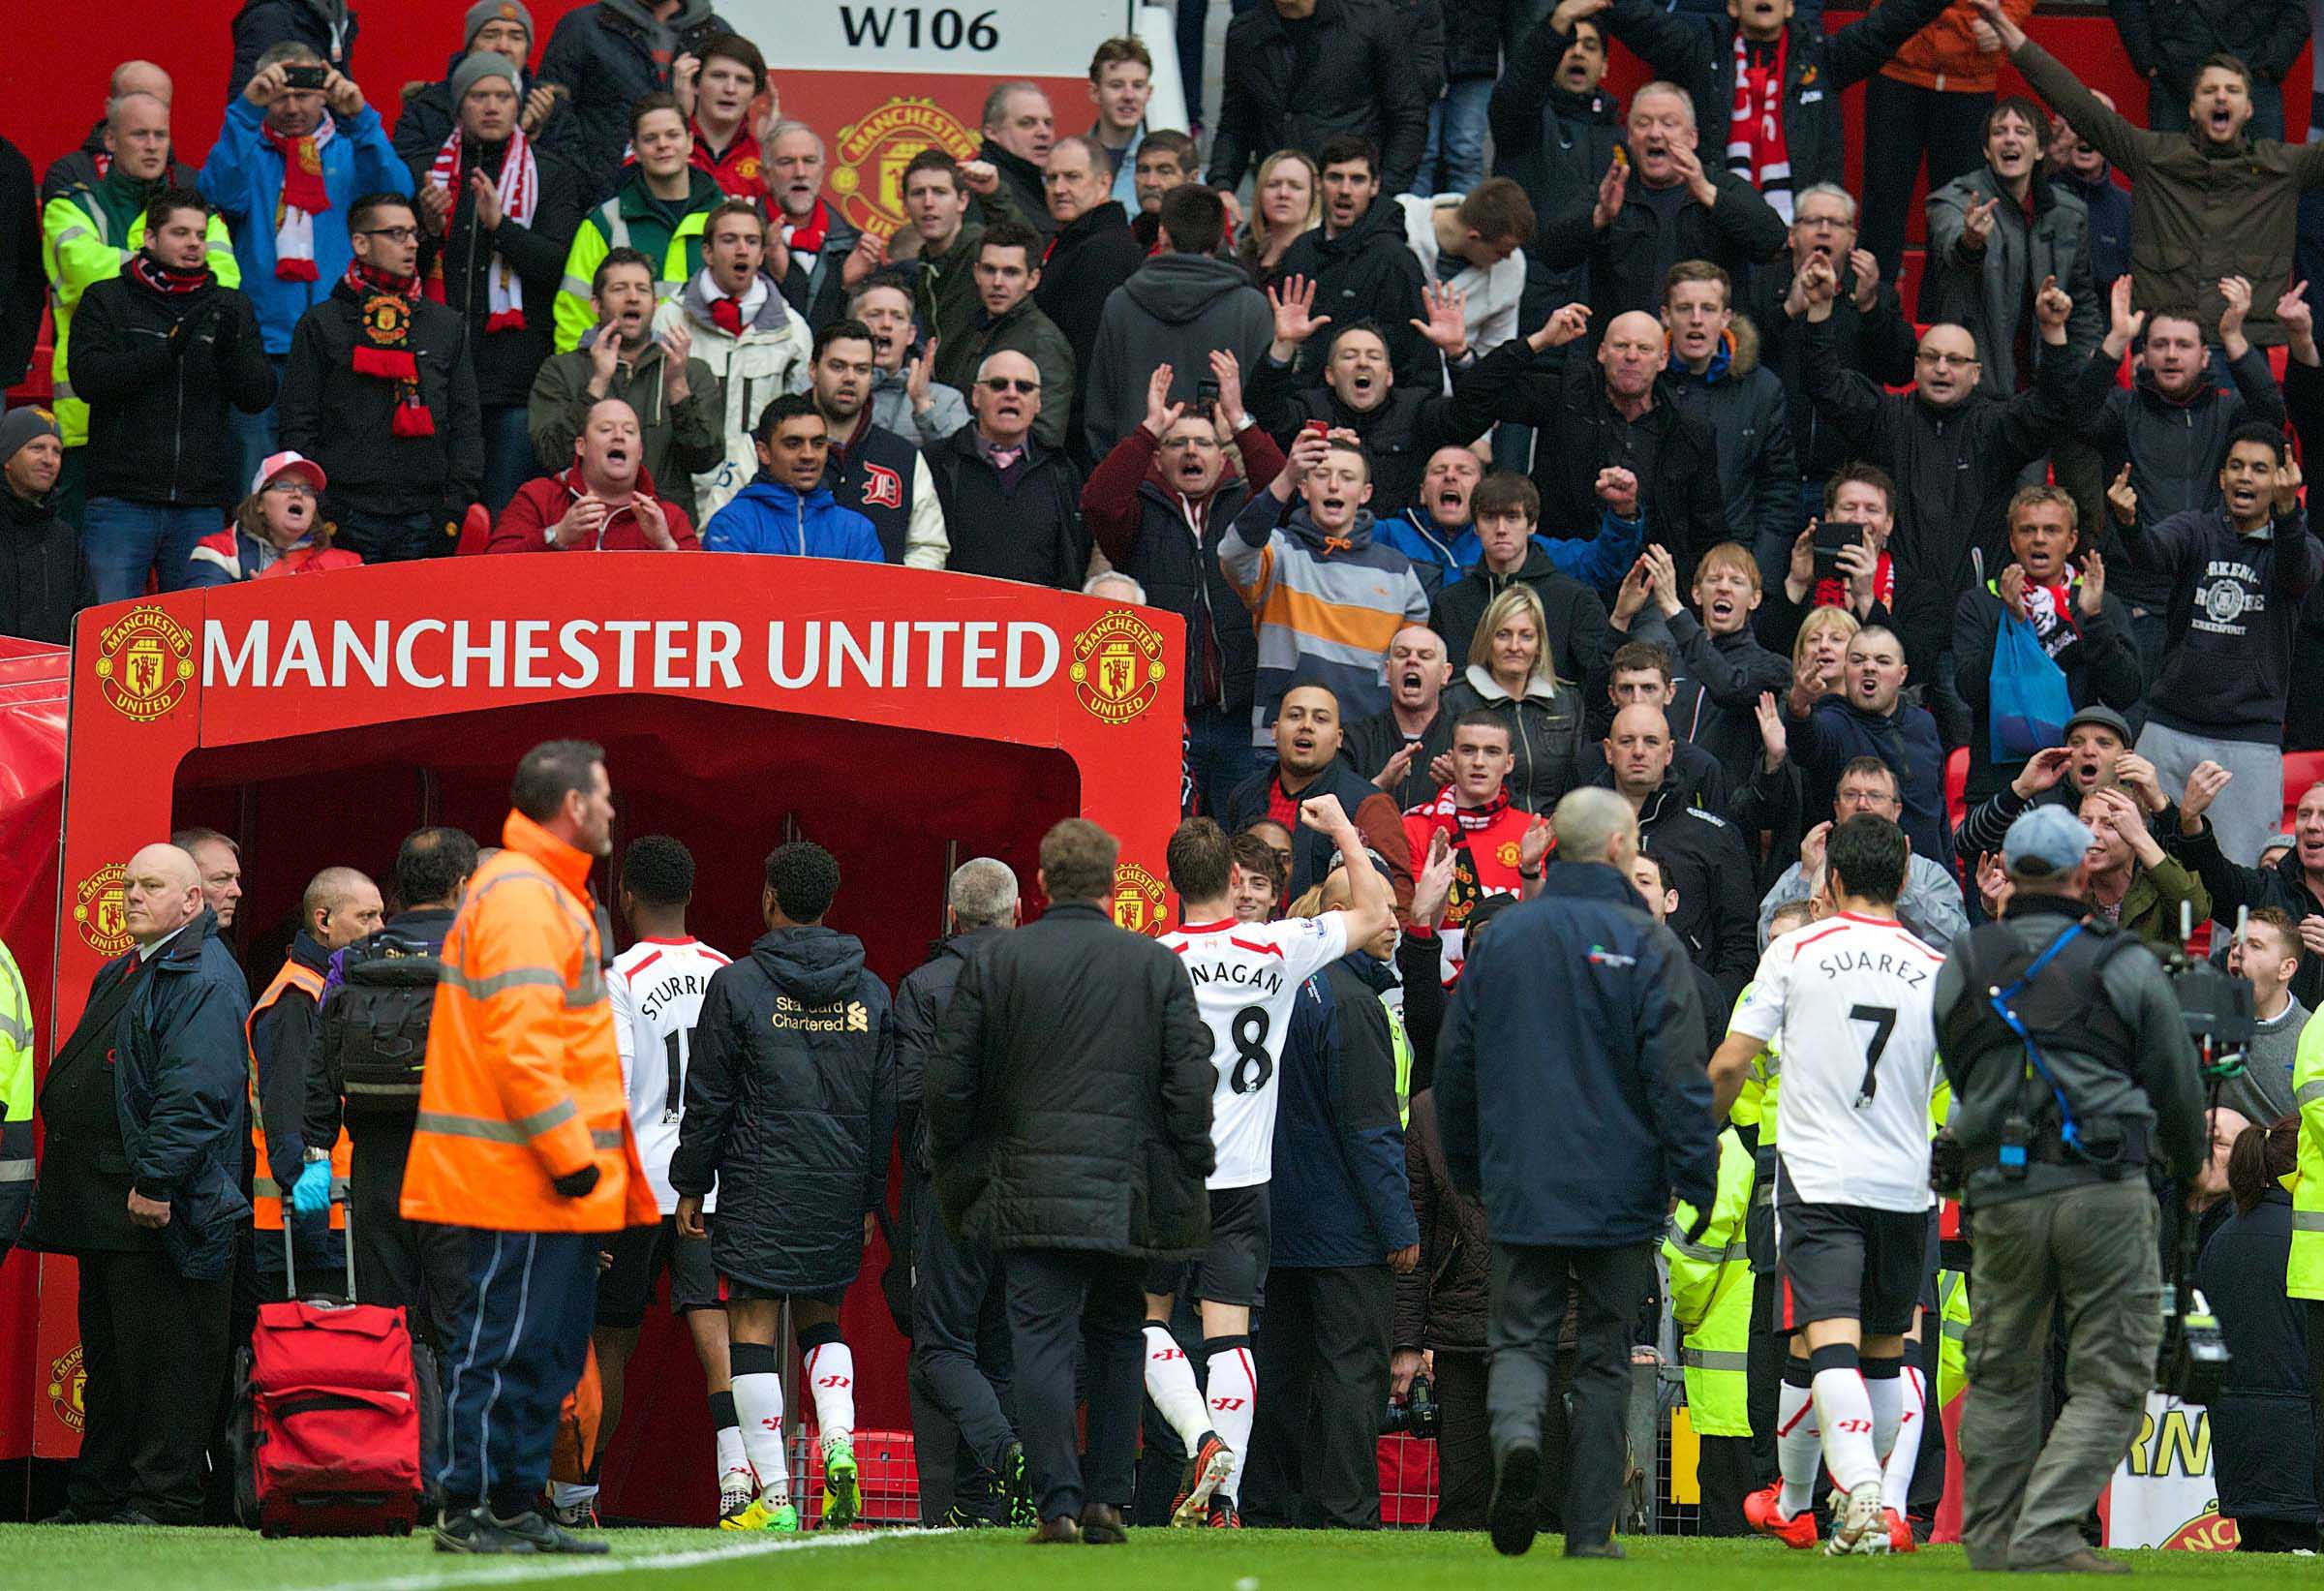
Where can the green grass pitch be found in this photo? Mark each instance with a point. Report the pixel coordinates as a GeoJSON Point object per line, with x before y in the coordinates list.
{"type": "Point", "coordinates": [98, 1558]}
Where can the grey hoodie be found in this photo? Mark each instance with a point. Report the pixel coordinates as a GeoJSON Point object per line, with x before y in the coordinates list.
{"type": "Point", "coordinates": [892, 408]}
{"type": "Point", "coordinates": [1175, 310]}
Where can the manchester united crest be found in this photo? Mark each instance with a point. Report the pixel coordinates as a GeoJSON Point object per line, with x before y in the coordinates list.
{"type": "Point", "coordinates": [388, 318]}
{"type": "Point", "coordinates": [145, 663]}
{"type": "Point", "coordinates": [98, 913]}
{"type": "Point", "coordinates": [67, 1380]}
{"type": "Point", "coordinates": [1139, 899]}
{"type": "Point", "coordinates": [1117, 670]}
{"type": "Point", "coordinates": [868, 160]}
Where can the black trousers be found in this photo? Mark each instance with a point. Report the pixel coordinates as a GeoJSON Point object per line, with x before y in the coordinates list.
{"type": "Point", "coordinates": [419, 1264]}
{"type": "Point", "coordinates": [1727, 1474]}
{"type": "Point", "coordinates": [1903, 123]}
{"type": "Point", "coordinates": [1059, 1300]}
{"type": "Point", "coordinates": [1530, 1286]}
{"type": "Point", "coordinates": [1323, 1385]}
{"type": "Point", "coordinates": [1464, 1447]}
{"type": "Point", "coordinates": [962, 1365]}
{"type": "Point", "coordinates": [154, 1347]}
{"type": "Point", "coordinates": [2315, 1391]}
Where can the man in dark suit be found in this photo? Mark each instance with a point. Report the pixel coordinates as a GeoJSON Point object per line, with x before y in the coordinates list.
{"type": "Point", "coordinates": [1068, 1112]}
{"type": "Point", "coordinates": [146, 1107]}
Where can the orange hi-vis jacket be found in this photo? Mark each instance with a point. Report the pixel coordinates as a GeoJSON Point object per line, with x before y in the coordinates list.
{"type": "Point", "coordinates": [523, 1081]}
{"type": "Point", "coordinates": [267, 1192]}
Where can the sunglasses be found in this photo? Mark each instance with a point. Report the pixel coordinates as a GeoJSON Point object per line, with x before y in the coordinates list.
{"type": "Point", "coordinates": [1008, 384]}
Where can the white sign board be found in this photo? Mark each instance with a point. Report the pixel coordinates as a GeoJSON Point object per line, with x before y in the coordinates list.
{"type": "Point", "coordinates": [2163, 1493]}
{"type": "Point", "coordinates": [975, 38]}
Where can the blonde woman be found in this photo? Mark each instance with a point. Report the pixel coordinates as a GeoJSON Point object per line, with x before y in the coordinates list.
{"type": "Point", "coordinates": [1512, 676]}
{"type": "Point", "coordinates": [1285, 200]}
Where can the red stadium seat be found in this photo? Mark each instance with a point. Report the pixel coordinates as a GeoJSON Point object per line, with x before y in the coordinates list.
{"type": "Point", "coordinates": [2300, 769]}
{"type": "Point", "coordinates": [476, 529]}
{"type": "Point", "coordinates": [1956, 785]}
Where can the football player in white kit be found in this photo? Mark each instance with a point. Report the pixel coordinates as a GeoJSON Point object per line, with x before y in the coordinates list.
{"type": "Point", "coordinates": [1246, 979]}
{"type": "Point", "coordinates": [656, 990]}
{"type": "Point", "coordinates": [1850, 998]}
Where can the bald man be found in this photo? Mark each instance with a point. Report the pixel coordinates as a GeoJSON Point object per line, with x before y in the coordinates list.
{"type": "Point", "coordinates": [141, 1182]}
{"type": "Point", "coordinates": [1607, 411]}
{"type": "Point", "coordinates": [340, 907]}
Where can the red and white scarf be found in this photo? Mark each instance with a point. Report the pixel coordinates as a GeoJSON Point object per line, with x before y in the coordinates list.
{"type": "Point", "coordinates": [1756, 150]}
{"type": "Point", "coordinates": [303, 197]}
{"type": "Point", "coordinates": [807, 237]}
{"type": "Point", "coordinates": [519, 189]}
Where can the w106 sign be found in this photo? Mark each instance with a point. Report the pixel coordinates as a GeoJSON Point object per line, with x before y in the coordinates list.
{"type": "Point", "coordinates": [984, 37]}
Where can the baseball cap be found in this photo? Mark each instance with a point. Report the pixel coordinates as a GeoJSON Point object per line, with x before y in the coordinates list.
{"type": "Point", "coordinates": [2095, 713]}
{"type": "Point", "coordinates": [2288, 842]}
{"type": "Point", "coordinates": [2048, 839]}
{"type": "Point", "coordinates": [287, 463]}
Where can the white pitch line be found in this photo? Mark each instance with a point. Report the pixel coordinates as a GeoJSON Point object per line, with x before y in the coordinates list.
{"type": "Point", "coordinates": [525, 1570]}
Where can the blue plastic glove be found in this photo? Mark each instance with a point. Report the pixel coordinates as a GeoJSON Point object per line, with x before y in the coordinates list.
{"type": "Point", "coordinates": [311, 1194]}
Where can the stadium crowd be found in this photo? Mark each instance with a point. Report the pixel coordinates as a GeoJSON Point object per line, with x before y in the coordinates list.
{"type": "Point", "coordinates": [1623, 468]}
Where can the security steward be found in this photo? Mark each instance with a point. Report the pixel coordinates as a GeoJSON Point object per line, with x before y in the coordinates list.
{"type": "Point", "coordinates": [2304, 1272]}
{"type": "Point", "coordinates": [1710, 1300]}
{"type": "Point", "coordinates": [340, 907]}
{"type": "Point", "coordinates": [363, 1090]}
{"type": "Point", "coordinates": [15, 1101]}
{"type": "Point", "coordinates": [2073, 1078]}
{"type": "Point", "coordinates": [141, 1183]}
{"type": "Point", "coordinates": [523, 1137]}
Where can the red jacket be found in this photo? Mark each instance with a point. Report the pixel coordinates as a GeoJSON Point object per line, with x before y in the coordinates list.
{"type": "Point", "coordinates": [739, 173]}
{"type": "Point", "coordinates": [541, 502]}
{"type": "Point", "coordinates": [1945, 55]}
{"type": "Point", "coordinates": [1484, 859]}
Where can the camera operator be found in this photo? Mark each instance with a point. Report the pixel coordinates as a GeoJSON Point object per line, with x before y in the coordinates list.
{"type": "Point", "coordinates": [2072, 1069]}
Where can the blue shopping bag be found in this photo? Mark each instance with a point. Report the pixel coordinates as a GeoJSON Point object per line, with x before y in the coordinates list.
{"type": "Point", "coordinates": [2028, 704]}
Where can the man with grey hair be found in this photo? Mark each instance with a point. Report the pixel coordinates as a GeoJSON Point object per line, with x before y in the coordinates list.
{"type": "Point", "coordinates": [140, 1182]}
{"type": "Point", "coordinates": [1094, 251]}
{"type": "Point", "coordinates": [1525, 1092]}
{"type": "Point", "coordinates": [218, 860]}
{"type": "Point", "coordinates": [1869, 334]}
{"type": "Point", "coordinates": [1115, 585]}
{"type": "Point", "coordinates": [340, 907]}
{"type": "Point", "coordinates": [814, 251]}
{"type": "Point", "coordinates": [972, 1468]}
{"type": "Point", "coordinates": [1019, 128]}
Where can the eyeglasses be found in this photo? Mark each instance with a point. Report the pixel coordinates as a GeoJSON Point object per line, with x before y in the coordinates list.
{"type": "Point", "coordinates": [401, 235]}
{"type": "Point", "coordinates": [1008, 384]}
{"type": "Point", "coordinates": [292, 488]}
{"type": "Point", "coordinates": [1945, 361]}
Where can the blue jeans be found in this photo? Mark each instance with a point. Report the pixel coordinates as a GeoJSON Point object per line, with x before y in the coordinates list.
{"type": "Point", "coordinates": [508, 461]}
{"type": "Point", "coordinates": [1453, 162]}
{"type": "Point", "coordinates": [124, 541]}
{"type": "Point", "coordinates": [1219, 754]}
{"type": "Point", "coordinates": [256, 436]}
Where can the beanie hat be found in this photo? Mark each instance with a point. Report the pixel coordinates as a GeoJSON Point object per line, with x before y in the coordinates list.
{"type": "Point", "coordinates": [19, 426]}
{"type": "Point", "coordinates": [475, 68]}
{"type": "Point", "coordinates": [493, 10]}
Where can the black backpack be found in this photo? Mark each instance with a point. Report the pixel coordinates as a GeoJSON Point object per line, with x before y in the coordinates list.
{"type": "Point", "coordinates": [376, 1028]}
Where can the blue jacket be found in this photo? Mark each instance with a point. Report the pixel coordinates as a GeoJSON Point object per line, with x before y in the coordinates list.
{"type": "Point", "coordinates": [768, 516]}
{"type": "Point", "coordinates": [1571, 1094]}
{"type": "Point", "coordinates": [1339, 1196]}
{"type": "Point", "coordinates": [244, 178]}
{"type": "Point", "coordinates": [1439, 560]}
{"type": "Point", "coordinates": [1836, 732]}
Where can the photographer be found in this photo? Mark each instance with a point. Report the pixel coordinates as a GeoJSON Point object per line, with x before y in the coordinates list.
{"type": "Point", "coordinates": [2066, 1085]}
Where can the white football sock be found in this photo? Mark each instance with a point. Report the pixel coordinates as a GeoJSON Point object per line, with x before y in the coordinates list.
{"type": "Point", "coordinates": [1798, 1448]}
{"type": "Point", "coordinates": [1170, 1382]}
{"type": "Point", "coordinates": [758, 1405]}
{"type": "Point", "coordinates": [1232, 1384]}
{"type": "Point", "coordinates": [1896, 1477]}
{"type": "Point", "coordinates": [731, 1456]}
{"type": "Point", "coordinates": [1843, 1409]}
{"type": "Point", "coordinates": [830, 1371]}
